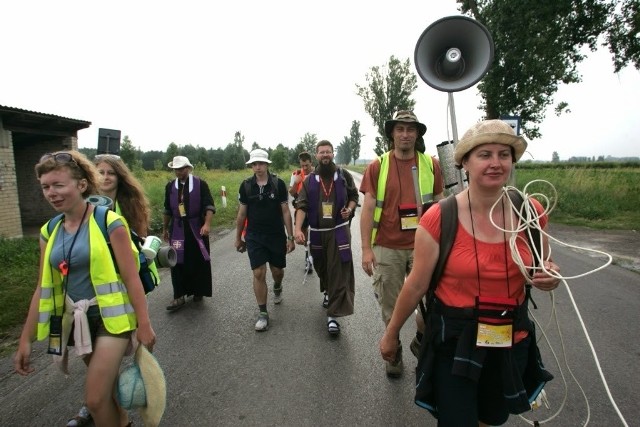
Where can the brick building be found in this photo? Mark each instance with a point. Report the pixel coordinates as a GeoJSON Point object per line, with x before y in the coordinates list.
{"type": "Point", "coordinates": [24, 137]}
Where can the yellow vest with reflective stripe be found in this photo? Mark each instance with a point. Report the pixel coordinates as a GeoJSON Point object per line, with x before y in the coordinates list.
{"type": "Point", "coordinates": [425, 182]}
{"type": "Point", "coordinates": [113, 300]}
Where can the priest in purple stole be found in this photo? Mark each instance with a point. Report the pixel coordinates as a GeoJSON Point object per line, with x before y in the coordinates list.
{"type": "Point", "coordinates": [188, 209]}
{"type": "Point", "coordinates": [328, 197]}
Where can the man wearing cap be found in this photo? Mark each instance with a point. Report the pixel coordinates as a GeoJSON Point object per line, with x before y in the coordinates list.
{"type": "Point", "coordinates": [295, 185]}
{"type": "Point", "coordinates": [264, 203]}
{"type": "Point", "coordinates": [391, 209]}
{"type": "Point", "coordinates": [188, 209]}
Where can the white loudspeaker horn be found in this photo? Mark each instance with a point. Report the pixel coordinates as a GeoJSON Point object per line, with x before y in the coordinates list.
{"type": "Point", "coordinates": [454, 53]}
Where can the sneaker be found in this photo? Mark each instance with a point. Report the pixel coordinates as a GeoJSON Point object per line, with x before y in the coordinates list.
{"type": "Point", "coordinates": [394, 369]}
{"type": "Point", "coordinates": [82, 418]}
{"type": "Point", "coordinates": [415, 346]}
{"type": "Point", "coordinates": [277, 295]}
{"type": "Point", "coordinates": [325, 300]}
{"type": "Point", "coordinates": [263, 322]}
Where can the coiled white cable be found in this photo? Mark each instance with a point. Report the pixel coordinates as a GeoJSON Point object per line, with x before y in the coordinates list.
{"type": "Point", "coordinates": [528, 220]}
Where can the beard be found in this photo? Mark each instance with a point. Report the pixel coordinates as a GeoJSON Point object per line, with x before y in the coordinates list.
{"type": "Point", "coordinates": [326, 170]}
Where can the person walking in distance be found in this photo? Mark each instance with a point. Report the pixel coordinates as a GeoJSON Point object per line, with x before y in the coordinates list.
{"type": "Point", "coordinates": [390, 210]}
{"type": "Point", "coordinates": [188, 209]}
{"type": "Point", "coordinates": [295, 185]}
{"type": "Point", "coordinates": [327, 198]}
{"type": "Point", "coordinates": [264, 204]}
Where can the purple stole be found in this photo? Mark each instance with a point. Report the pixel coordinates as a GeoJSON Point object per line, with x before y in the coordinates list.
{"type": "Point", "coordinates": [193, 217]}
{"type": "Point", "coordinates": [313, 213]}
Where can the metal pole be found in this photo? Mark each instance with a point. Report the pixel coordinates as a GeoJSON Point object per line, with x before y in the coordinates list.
{"type": "Point", "coordinates": [454, 130]}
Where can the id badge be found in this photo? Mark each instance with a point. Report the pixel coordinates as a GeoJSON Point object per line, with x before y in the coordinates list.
{"type": "Point", "coordinates": [181, 210]}
{"type": "Point", "coordinates": [490, 335]}
{"type": "Point", "coordinates": [327, 210]}
{"type": "Point", "coordinates": [55, 335]}
{"type": "Point", "coordinates": [408, 213]}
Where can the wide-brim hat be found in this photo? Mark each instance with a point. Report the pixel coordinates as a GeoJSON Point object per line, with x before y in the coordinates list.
{"type": "Point", "coordinates": [404, 116]}
{"type": "Point", "coordinates": [489, 132]}
{"type": "Point", "coordinates": [179, 162]}
{"type": "Point", "coordinates": [258, 155]}
{"type": "Point", "coordinates": [142, 386]}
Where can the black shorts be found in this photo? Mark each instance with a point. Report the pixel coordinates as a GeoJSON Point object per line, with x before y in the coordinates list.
{"type": "Point", "coordinates": [463, 402]}
{"type": "Point", "coordinates": [266, 248]}
{"type": "Point", "coordinates": [96, 329]}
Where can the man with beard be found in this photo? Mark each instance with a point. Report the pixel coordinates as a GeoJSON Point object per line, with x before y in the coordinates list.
{"type": "Point", "coordinates": [327, 198]}
{"type": "Point", "coordinates": [390, 212]}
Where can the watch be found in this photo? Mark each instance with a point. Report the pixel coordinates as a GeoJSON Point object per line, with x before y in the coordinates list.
{"type": "Point", "coordinates": [290, 238]}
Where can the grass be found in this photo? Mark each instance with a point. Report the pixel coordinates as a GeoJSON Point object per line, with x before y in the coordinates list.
{"type": "Point", "coordinates": [598, 198]}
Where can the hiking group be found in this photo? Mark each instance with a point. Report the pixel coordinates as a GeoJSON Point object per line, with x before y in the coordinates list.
{"type": "Point", "coordinates": [478, 358]}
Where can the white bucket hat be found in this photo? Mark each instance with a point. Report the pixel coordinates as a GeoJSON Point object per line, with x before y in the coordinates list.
{"type": "Point", "coordinates": [179, 162]}
{"type": "Point", "coordinates": [258, 155]}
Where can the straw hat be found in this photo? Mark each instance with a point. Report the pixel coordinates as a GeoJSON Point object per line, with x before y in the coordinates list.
{"type": "Point", "coordinates": [142, 386]}
{"type": "Point", "coordinates": [489, 132]}
{"type": "Point", "coordinates": [258, 155]}
{"type": "Point", "coordinates": [179, 162]}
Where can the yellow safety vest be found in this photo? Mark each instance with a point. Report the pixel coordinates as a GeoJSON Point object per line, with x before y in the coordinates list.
{"type": "Point", "coordinates": [113, 300]}
{"type": "Point", "coordinates": [425, 182]}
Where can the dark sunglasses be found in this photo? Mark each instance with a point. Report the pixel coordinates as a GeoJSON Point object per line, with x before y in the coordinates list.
{"type": "Point", "coordinates": [100, 157]}
{"type": "Point", "coordinates": [61, 158]}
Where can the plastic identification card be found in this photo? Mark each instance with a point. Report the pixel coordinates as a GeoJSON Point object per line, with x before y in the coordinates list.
{"type": "Point", "coordinates": [327, 210]}
{"type": "Point", "coordinates": [494, 335]}
{"type": "Point", "coordinates": [181, 210]}
{"type": "Point", "coordinates": [408, 216]}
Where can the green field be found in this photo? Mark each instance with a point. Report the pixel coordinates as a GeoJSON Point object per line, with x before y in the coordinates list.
{"type": "Point", "coordinates": [606, 198]}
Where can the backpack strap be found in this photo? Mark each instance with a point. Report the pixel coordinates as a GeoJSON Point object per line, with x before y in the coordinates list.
{"type": "Point", "coordinates": [448, 229]}
{"type": "Point", "coordinates": [52, 224]}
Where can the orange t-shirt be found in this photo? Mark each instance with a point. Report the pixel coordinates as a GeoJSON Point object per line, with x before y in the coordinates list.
{"type": "Point", "coordinates": [458, 285]}
{"type": "Point", "coordinates": [399, 191]}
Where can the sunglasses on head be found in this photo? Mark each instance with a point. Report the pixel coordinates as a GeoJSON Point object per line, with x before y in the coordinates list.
{"type": "Point", "coordinates": [100, 157]}
{"type": "Point", "coordinates": [61, 158]}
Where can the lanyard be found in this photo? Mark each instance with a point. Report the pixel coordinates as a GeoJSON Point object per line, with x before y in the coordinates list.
{"type": "Point", "coordinates": [324, 189]}
{"type": "Point", "coordinates": [65, 264]}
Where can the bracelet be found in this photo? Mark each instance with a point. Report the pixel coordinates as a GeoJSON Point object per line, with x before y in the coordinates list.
{"type": "Point", "coordinates": [290, 238]}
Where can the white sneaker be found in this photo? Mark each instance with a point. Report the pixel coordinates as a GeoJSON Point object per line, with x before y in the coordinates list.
{"type": "Point", "coordinates": [263, 322]}
{"type": "Point", "coordinates": [277, 296]}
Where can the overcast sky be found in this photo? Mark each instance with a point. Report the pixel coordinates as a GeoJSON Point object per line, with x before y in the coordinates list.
{"type": "Point", "coordinates": [195, 72]}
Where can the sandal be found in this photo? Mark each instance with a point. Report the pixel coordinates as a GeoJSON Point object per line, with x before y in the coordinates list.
{"type": "Point", "coordinates": [333, 327]}
{"type": "Point", "coordinates": [176, 304]}
{"type": "Point", "coordinates": [82, 418]}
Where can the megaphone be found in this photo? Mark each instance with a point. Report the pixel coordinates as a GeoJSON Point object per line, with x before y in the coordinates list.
{"type": "Point", "coordinates": [454, 53]}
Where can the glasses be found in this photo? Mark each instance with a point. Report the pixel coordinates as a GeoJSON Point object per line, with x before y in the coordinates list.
{"type": "Point", "coordinates": [325, 153]}
{"type": "Point", "coordinates": [100, 157]}
{"type": "Point", "coordinates": [62, 158]}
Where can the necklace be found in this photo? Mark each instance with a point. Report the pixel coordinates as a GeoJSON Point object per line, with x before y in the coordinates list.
{"type": "Point", "coordinates": [475, 247]}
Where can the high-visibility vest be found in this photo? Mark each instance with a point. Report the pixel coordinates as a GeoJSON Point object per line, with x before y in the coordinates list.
{"type": "Point", "coordinates": [425, 182]}
{"type": "Point", "coordinates": [116, 310]}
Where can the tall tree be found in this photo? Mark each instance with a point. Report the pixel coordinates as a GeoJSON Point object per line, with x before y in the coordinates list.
{"type": "Point", "coordinates": [355, 140]}
{"type": "Point", "coordinates": [309, 141]}
{"type": "Point", "coordinates": [172, 151]}
{"type": "Point", "coordinates": [555, 157]}
{"type": "Point", "coordinates": [343, 152]}
{"type": "Point", "coordinates": [388, 89]}
{"type": "Point", "coordinates": [128, 152]}
{"type": "Point", "coordinates": [539, 45]}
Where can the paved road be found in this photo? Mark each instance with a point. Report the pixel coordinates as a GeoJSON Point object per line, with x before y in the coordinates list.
{"type": "Point", "coordinates": [221, 372]}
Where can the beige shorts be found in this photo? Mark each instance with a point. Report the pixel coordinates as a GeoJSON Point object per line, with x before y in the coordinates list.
{"type": "Point", "coordinates": [393, 267]}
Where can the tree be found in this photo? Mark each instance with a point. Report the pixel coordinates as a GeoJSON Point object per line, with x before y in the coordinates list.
{"type": "Point", "coordinates": [388, 90]}
{"type": "Point", "coordinates": [355, 140]}
{"type": "Point", "coordinates": [555, 157]}
{"type": "Point", "coordinates": [309, 141]}
{"type": "Point", "coordinates": [128, 152]}
{"type": "Point", "coordinates": [172, 151]}
{"type": "Point", "coordinates": [343, 152]}
{"type": "Point", "coordinates": [279, 158]}
{"type": "Point", "coordinates": [539, 47]}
